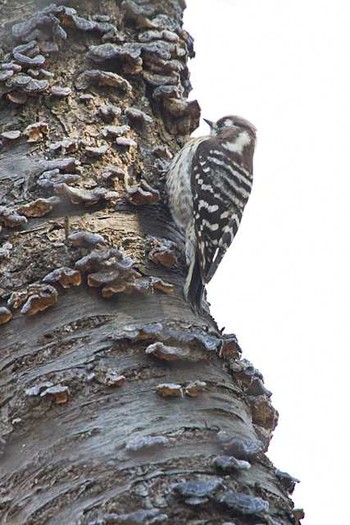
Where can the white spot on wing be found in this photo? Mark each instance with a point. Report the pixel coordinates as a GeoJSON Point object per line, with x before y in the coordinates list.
{"type": "Point", "coordinates": [209, 226]}
{"type": "Point", "coordinates": [211, 208]}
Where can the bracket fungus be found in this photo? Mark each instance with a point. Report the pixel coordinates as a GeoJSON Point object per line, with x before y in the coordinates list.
{"type": "Point", "coordinates": [5, 315]}
{"type": "Point", "coordinates": [240, 447]}
{"type": "Point", "coordinates": [96, 152]}
{"type": "Point", "coordinates": [155, 283]}
{"type": "Point", "coordinates": [230, 464]}
{"type": "Point", "coordinates": [5, 250]}
{"type": "Point", "coordinates": [108, 377]}
{"type": "Point", "coordinates": [146, 442]}
{"type": "Point", "coordinates": [113, 379]}
{"type": "Point", "coordinates": [10, 66]}
{"type": "Point", "coordinates": [109, 112]}
{"type": "Point", "coordinates": [298, 514]}
{"type": "Point", "coordinates": [102, 78]}
{"type": "Point", "coordinates": [37, 297]}
{"type": "Point", "coordinates": [257, 388]}
{"type": "Point", "coordinates": [11, 135]}
{"type": "Point", "coordinates": [138, 14]}
{"type": "Point", "coordinates": [287, 480]}
{"type": "Point", "coordinates": [110, 173]}
{"type": "Point", "coordinates": [167, 353]}
{"type": "Point", "coordinates": [40, 207]}
{"type": "Point", "coordinates": [51, 21]}
{"type": "Point", "coordinates": [242, 504]}
{"type": "Point", "coordinates": [83, 196]}
{"type": "Point", "coordinates": [65, 146]}
{"type": "Point", "coordinates": [36, 390]}
{"type": "Point", "coordinates": [57, 393]}
{"type": "Point", "coordinates": [27, 55]}
{"type": "Point", "coordinates": [6, 74]}
{"type": "Point", "coordinates": [71, 19]}
{"type": "Point", "coordinates": [195, 388]}
{"type": "Point", "coordinates": [114, 131]}
{"type": "Point", "coordinates": [51, 178]}
{"type": "Point", "coordinates": [162, 34]}
{"type": "Point", "coordinates": [66, 277]}
{"type": "Point", "coordinates": [41, 23]}
{"type": "Point", "coordinates": [198, 489]}
{"type": "Point", "coordinates": [40, 297]}
{"type": "Point", "coordinates": [245, 372]}
{"type": "Point", "coordinates": [60, 91]}
{"type": "Point", "coordinates": [17, 97]}
{"type": "Point", "coordinates": [19, 80]}
{"type": "Point", "coordinates": [36, 86]}
{"type": "Point", "coordinates": [140, 192]}
{"type": "Point", "coordinates": [138, 119]}
{"type": "Point", "coordinates": [230, 348]}
{"type": "Point", "coordinates": [127, 55]}
{"type": "Point", "coordinates": [162, 152]}
{"type": "Point", "coordinates": [96, 260]}
{"type": "Point", "coordinates": [125, 142]}
{"type": "Point", "coordinates": [84, 239]}
{"type": "Point", "coordinates": [263, 413]}
{"type": "Point", "coordinates": [113, 272]}
{"type": "Point", "coordinates": [169, 390]}
{"type": "Point", "coordinates": [105, 278]}
{"type": "Point", "coordinates": [67, 164]}
{"type": "Point", "coordinates": [37, 131]}
{"type": "Point", "coordinates": [162, 252]}
{"type": "Point", "coordinates": [156, 80]}
{"type": "Point", "coordinates": [10, 218]}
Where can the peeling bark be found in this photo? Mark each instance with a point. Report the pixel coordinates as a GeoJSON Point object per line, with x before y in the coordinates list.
{"type": "Point", "coordinates": [119, 404]}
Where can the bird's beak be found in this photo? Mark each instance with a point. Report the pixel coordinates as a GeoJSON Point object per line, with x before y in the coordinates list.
{"type": "Point", "coordinates": [209, 122]}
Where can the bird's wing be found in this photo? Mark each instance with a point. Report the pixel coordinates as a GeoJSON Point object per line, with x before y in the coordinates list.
{"type": "Point", "coordinates": [220, 192]}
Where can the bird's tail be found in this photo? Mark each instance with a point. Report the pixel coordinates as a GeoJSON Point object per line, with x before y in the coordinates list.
{"type": "Point", "coordinates": [194, 286]}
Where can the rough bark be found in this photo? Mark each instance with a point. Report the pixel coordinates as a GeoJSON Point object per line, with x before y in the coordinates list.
{"type": "Point", "coordinates": [117, 400]}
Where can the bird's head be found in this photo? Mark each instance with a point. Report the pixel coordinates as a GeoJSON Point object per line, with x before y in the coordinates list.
{"type": "Point", "coordinates": [229, 122]}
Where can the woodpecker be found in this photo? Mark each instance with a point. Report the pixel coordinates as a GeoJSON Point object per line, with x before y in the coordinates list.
{"type": "Point", "coordinates": [208, 184]}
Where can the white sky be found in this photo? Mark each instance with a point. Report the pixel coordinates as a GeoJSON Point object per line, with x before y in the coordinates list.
{"type": "Point", "coordinates": [284, 287]}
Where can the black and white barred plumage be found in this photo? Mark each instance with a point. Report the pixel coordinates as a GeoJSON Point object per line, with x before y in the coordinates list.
{"type": "Point", "coordinates": [208, 184]}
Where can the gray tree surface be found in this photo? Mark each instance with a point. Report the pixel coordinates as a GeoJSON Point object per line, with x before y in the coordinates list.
{"type": "Point", "coordinates": [119, 404]}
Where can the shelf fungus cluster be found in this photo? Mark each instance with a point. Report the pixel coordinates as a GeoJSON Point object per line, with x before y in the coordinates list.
{"type": "Point", "coordinates": [201, 492]}
{"type": "Point", "coordinates": [108, 269]}
{"type": "Point", "coordinates": [141, 443]}
{"type": "Point", "coordinates": [10, 218]}
{"type": "Point", "coordinates": [113, 272]}
{"type": "Point", "coordinates": [139, 191]}
{"type": "Point", "coordinates": [35, 298]}
{"type": "Point", "coordinates": [59, 175]}
{"type": "Point", "coordinates": [59, 394]}
{"type": "Point", "coordinates": [22, 73]}
{"type": "Point", "coordinates": [191, 389]}
{"type": "Point", "coordinates": [160, 56]}
{"type": "Point", "coordinates": [162, 252]}
{"type": "Point", "coordinates": [108, 377]}
{"type": "Point", "coordinates": [265, 416]}
{"type": "Point", "coordinates": [5, 315]}
{"type": "Point", "coordinates": [158, 53]}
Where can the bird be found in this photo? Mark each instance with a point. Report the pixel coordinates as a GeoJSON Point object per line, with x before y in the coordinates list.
{"type": "Point", "coordinates": [208, 185]}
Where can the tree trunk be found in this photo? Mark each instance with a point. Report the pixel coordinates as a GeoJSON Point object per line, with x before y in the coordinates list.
{"type": "Point", "coordinates": [119, 404]}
